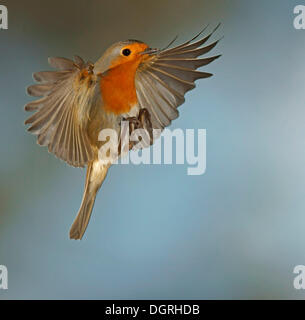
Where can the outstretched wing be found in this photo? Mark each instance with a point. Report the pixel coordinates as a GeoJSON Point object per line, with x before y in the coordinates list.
{"type": "Point", "coordinates": [61, 115]}
{"type": "Point", "coordinates": [163, 79]}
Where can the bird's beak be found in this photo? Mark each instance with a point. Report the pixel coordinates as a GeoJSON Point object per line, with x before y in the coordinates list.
{"type": "Point", "coordinates": [150, 51]}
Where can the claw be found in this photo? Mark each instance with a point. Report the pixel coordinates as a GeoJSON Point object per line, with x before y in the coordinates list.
{"type": "Point", "coordinates": [141, 122]}
{"type": "Point", "coordinates": [144, 118]}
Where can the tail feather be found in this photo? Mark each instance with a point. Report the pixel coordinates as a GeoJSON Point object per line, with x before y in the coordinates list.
{"type": "Point", "coordinates": [96, 173]}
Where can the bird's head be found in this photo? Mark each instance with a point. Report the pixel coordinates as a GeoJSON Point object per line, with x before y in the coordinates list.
{"type": "Point", "coordinates": [123, 52]}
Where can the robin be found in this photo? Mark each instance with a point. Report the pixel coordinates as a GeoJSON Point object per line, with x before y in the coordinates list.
{"type": "Point", "coordinates": [131, 81]}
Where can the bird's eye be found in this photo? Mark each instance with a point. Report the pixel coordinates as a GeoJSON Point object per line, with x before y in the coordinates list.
{"type": "Point", "coordinates": [126, 52]}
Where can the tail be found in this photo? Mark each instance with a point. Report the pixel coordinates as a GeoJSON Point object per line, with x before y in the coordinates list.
{"type": "Point", "coordinates": [96, 173]}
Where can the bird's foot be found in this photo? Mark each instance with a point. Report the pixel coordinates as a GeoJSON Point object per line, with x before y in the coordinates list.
{"type": "Point", "coordinates": [142, 121]}
{"type": "Point", "coordinates": [145, 120]}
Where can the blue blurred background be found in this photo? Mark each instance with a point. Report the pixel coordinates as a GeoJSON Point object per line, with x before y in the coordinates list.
{"type": "Point", "coordinates": [235, 232]}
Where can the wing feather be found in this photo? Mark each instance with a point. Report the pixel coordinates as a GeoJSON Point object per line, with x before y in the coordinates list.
{"type": "Point", "coordinates": [163, 79]}
{"type": "Point", "coordinates": [61, 115]}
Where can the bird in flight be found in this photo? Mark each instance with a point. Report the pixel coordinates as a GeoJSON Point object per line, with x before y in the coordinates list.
{"type": "Point", "coordinates": [131, 81]}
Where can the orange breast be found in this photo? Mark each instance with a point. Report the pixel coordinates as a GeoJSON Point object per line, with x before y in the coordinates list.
{"type": "Point", "coordinates": [118, 88]}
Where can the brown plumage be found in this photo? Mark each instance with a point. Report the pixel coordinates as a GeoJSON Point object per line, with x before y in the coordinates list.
{"type": "Point", "coordinates": [80, 99]}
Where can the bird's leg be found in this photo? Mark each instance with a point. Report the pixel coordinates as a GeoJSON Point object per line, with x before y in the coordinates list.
{"type": "Point", "coordinates": [145, 121]}
{"type": "Point", "coordinates": [133, 124]}
{"type": "Point", "coordinates": [142, 121]}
